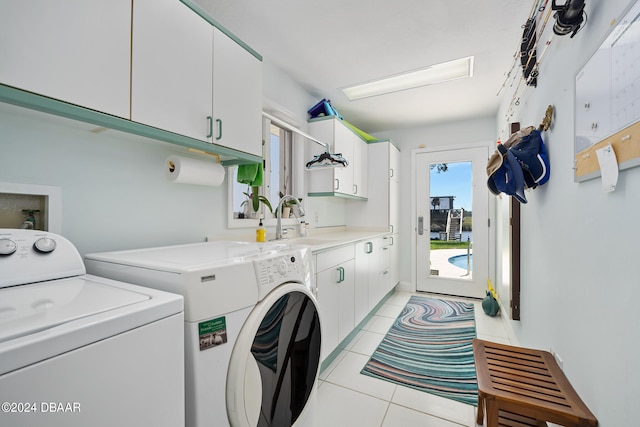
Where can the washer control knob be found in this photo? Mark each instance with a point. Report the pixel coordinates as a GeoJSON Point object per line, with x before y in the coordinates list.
{"type": "Point", "coordinates": [282, 267]}
{"type": "Point", "coordinates": [44, 245]}
{"type": "Point", "coordinates": [7, 246]}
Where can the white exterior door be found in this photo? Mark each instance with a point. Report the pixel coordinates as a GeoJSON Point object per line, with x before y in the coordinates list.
{"type": "Point", "coordinates": [452, 240]}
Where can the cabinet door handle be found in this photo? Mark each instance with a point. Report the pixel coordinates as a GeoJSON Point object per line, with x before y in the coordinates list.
{"type": "Point", "coordinates": [219, 123]}
{"type": "Point", "coordinates": [210, 123]}
{"type": "Point", "coordinates": [391, 173]}
{"type": "Point", "coordinates": [340, 274]}
{"type": "Point", "coordinates": [355, 188]}
{"type": "Point", "coordinates": [337, 186]}
{"type": "Point", "coordinates": [369, 248]}
{"type": "Point", "coordinates": [391, 240]}
{"type": "Point", "coordinates": [391, 227]}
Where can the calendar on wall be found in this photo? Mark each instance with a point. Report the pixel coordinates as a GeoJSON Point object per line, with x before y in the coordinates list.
{"type": "Point", "coordinates": [607, 99]}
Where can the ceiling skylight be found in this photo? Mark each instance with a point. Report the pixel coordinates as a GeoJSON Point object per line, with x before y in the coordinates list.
{"type": "Point", "coordinates": [434, 74]}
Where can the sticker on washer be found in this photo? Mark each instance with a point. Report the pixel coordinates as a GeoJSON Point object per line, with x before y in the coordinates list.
{"type": "Point", "coordinates": [212, 333]}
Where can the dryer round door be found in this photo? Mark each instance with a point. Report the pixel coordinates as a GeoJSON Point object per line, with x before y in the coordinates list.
{"type": "Point", "coordinates": [275, 361]}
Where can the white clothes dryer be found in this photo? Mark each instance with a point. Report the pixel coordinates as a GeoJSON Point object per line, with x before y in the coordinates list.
{"type": "Point", "coordinates": [79, 350]}
{"type": "Point", "coordinates": [252, 326]}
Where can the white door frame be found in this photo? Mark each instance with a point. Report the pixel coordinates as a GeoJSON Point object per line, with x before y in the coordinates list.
{"type": "Point", "coordinates": [414, 222]}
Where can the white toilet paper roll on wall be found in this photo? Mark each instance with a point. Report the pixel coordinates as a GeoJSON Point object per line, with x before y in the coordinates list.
{"type": "Point", "coordinates": [185, 170]}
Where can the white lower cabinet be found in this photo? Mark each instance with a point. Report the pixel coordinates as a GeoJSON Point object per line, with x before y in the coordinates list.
{"type": "Point", "coordinates": [394, 260]}
{"type": "Point", "coordinates": [372, 275]}
{"type": "Point", "coordinates": [346, 293]}
{"type": "Point", "coordinates": [335, 281]}
{"type": "Point", "coordinates": [364, 252]}
{"type": "Point", "coordinates": [379, 271]}
{"type": "Point", "coordinates": [351, 281]}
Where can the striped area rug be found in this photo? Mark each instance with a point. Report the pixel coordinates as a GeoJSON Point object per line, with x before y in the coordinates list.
{"type": "Point", "coordinates": [429, 348]}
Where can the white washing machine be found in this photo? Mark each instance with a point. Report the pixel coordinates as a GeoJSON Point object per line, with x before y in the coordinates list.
{"type": "Point", "coordinates": [252, 327]}
{"type": "Point", "coordinates": [78, 350]}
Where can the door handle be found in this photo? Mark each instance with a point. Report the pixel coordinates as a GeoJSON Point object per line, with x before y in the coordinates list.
{"type": "Point", "coordinates": [219, 123]}
{"type": "Point", "coordinates": [420, 225]}
{"type": "Point", "coordinates": [369, 249]}
{"type": "Point", "coordinates": [340, 274]}
{"type": "Point", "coordinates": [210, 123]}
{"type": "Point", "coordinates": [337, 186]}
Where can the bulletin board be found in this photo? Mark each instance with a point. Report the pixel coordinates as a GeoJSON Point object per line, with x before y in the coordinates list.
{"type": "Point", "coordinates": [607, 99]}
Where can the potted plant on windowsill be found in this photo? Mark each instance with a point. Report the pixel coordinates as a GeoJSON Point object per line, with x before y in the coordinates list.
{"type": "Point", "coordinates": [252, 202]}
{"type": "Point", "coordinates": [288, 205]}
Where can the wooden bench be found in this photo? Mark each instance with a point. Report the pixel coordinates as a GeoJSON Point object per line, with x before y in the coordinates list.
{"type": "Point", "coordinates": [526, 383]}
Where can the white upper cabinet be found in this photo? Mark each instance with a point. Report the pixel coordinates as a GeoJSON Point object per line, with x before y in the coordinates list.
{"type": "Point", "coordinates": [350, 181]}
{"type": "Point", "coordinates": [382, 208]}
{"type": "Point", "coordinates": [394, 188]}
{"type": "Point", "coordinates": [190, 78]}
{"type": "Point", "coordinates": [237, 96]}
{"type": "Point", "coordinates": [360, 168]}
{"type": "Point", "coordinates": [77, 51]}
{"type": "Point", "coordinates": [171, 84]}
{"type": "Point", "coordinates": [343, 144]}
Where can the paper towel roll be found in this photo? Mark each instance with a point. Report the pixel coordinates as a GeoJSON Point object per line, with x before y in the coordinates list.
{"type": "Point", "coordinates": [185, 170]}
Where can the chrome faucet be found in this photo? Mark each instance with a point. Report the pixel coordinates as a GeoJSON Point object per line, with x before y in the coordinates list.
{"type": "Point", "coordinates": [279, 213]}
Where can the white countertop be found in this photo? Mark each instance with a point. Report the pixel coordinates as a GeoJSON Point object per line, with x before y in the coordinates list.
{"type": "Point", "coordinates": [327, 241]}
{"type": "Point", "coordinates": [322, 239]}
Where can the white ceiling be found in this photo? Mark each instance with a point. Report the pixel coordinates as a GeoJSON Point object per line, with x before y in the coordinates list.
{"type": "Point", "coordinates": [326, 45]}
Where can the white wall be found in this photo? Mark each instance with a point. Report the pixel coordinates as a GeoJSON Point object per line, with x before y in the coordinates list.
{"type": "Point", "coordinates": [114, 194]}
{"type": "Point", "coordinates": [580, 286]}
{"type": "Point", "coordinates": [288, 101]}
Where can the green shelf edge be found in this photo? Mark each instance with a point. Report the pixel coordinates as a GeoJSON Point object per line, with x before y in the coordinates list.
{"type": "Point", "coordinates": [21, 98]}
{"type": "Point", "coordinates": [334, 194]}
{"type": "Point", "coordinates": [205, 15]}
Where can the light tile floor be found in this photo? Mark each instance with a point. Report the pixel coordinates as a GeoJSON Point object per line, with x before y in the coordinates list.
{"type": "Point", "coordinates": [347, 398]}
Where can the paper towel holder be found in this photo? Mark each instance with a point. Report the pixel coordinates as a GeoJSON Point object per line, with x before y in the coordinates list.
{"type": "Point", "coordinates": [204, 153]}
{"type": "Point", "coordinates": [172, 166]}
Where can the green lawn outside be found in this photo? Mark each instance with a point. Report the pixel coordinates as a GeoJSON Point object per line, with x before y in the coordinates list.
{"type": "Point", "coordinates": [448, 244]}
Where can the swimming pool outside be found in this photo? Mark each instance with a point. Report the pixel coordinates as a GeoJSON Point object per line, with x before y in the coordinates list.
{"type": "Point", "coordinates": [461, 261]}
{"type": "Point", "coordinates": [440, 265]}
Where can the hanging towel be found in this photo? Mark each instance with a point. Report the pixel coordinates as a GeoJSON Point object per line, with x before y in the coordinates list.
{"type": "Point", "coordinates": [250, 174]}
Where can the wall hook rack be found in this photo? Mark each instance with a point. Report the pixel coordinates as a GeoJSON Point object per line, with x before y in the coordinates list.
{"type": "Point", "coordinates": [546, 121]}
